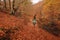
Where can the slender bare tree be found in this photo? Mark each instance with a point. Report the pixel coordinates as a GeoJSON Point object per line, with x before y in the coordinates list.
{"type": "Point", "coordinates": [0, 3]}
{"type": "Point", "coordinates": [5, 4]}
{"type": "Point", "coordinates": [13, 5]}
{"type": "Point", "coordinates": [10, 4]}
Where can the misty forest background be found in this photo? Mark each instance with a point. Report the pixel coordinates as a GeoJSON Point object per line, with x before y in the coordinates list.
{"type": "Point", "coordinates": [21, 20]}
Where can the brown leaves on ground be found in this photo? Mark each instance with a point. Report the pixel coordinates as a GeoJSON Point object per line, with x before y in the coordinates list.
{"type": "Point", "coordinates": [14, 28]}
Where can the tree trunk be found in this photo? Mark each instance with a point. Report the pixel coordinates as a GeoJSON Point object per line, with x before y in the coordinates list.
{"type": "Point", "coordinates": [9, 4]}
{"type": "Point", "coordinates": [5, 4]}
{"type": "Point", "coordinates": [13, 5]}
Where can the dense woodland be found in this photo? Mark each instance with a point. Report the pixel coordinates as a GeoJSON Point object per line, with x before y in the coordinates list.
{"type": "Point", "coordinates": [20, 20]}
{"type": "Point", "coordinates": [15, 6]}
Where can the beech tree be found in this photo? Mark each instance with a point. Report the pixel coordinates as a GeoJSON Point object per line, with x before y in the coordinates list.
{"type": "Point", "coordinates": [17, 7]}
{"type": "Point", "coordinates": [5, 4]}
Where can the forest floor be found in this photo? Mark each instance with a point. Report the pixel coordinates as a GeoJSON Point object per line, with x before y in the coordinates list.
{"type": "Point", "coordinates": [22, 29]}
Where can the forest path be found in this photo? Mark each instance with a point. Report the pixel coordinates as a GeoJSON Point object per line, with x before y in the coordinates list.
{"type": "Point", "coordinates": [26, 31]}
